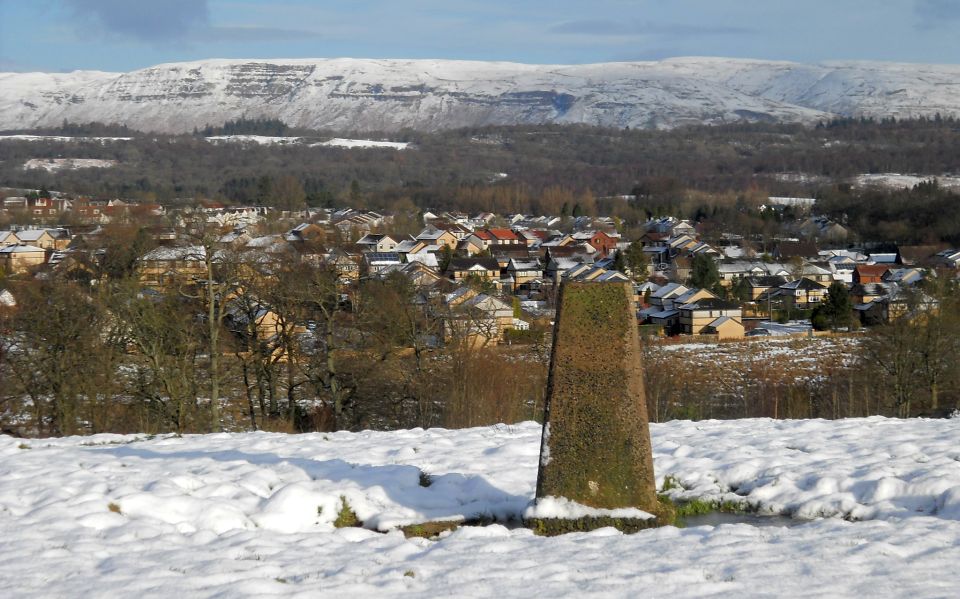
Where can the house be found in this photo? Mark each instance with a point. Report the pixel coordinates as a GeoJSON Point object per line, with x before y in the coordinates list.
{"type": "Point", "coordinates": [377, 261]}
{"type": "Point", "coordinates": [475, 319]}
{"type": "Point", "coordinates": [601, 241]}
{"type": "Point", "coordinates": [903, 276]}
{"type": "Point", "coordinates": [166, 267]}
{"type": "Point", "coordinates": [761, 285]}
{"type": "Point", "coordinates": [411, 246]}
{"type": "Point", "coordinates": [496, 238]}
{"type": "Point", "coordinates": [377, 242]}
{"type": "Point", "coordinates": [438, 237]}
{"type": "Point", "coordinates": [483, 268]}
{"type": "Point", "coordinates": [703, 316]}
{"type": "Point", "coordinates": [865, 293]}
{"type": "Point", "coordinates": [663, 297]}
{"type": "Point", "coordinates": [8, 238]}
{"type": "Point", "coordinates": [523, 271]}
{"type": "Point", "coordinates": [346, 264]}
{"type": "Point", "coordinates": [949, 258]}
{"type": "Point", "coordinates": [803, 293]}
{"type": "Point", "coordinates": [725, 327]}
{"type": "Point", "coordinates": [40, 238]}
{"type": "Point", "coordinates": [895, 303]}
{"type": "Point", "coordinates": [305, 233]}
{"type": "Point", "coordinates": [471, 246]}
{"type": "Point", "coordinates": [18, 259]}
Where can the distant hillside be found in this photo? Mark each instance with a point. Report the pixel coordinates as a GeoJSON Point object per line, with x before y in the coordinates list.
{"type": "Point", "coordinates": [389, 95]}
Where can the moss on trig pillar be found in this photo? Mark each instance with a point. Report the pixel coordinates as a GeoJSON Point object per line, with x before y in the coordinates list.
{"type": "Point", "coordinates": [596, 448]}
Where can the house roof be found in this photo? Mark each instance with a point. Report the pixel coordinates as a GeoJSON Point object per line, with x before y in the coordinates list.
{"type": "Point", "coordinates": [803, 285]}
{"type": "Point", "coordinates": [473, 264]}
{"type": "Point", "coordinates": [871, 270]}
{"type": "Point", "coordinates": [519, 264]}
{"type": "Point", "coordinates": [176, 253]}
{"type": "Point", "coordinates": [504, 234]}
{"type": "Point", "coordinates": [689, 294]}
{"type": "Point", "coordinates": [711, 303]}
{"type": "Point", "coordinates": [884, 258]}
{"type": "Point", "coordinates": [766, 281]}
{"type": "Point", "coordinates": [791, 249]}
{"type": "Point", "coordinates": [721, 321]}
{"type": "Point", "coordinates": [21, 249]}
{"type": "Point", "coordinates": [382, 257]}
{"type": "Point", "coordinates": [31, 234]}
{"type": "Point", "coordinates": [664, 314]}
{"type": "Point", "coordinates": [670, 290]}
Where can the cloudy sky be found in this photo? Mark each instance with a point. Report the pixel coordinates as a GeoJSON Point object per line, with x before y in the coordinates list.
{"type": "Point", "coordinates": [120, 35]}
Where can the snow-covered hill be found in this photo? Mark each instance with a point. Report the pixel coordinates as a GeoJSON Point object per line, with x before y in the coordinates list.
{"type": "Point", "coordinates": [388, 95]}
{"type": "Point", "coordinates": [250, 515]}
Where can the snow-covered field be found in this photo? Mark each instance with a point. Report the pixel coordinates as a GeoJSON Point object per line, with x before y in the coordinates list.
{"type": "Point", "coordinates": [260, 140]}
{"type": "Point", "coordinates": [62, 138]}
{"type": "Point", "coordinates": [898, 181]}
{"type": "Point", "coordinates": [235, 515]}
{"type": "Point", "coordinates": [338, 142]}
{"type": "Point", "coordinates": [66, 164]}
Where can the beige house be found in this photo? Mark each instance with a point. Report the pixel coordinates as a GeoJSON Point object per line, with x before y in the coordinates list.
{"type": "Point", "coordinates": [804, 293]}
{"type": "Point", "coordinates": [17, 259]}
{"type": "Point", "coordinates": [476, 319]}
{"type": "Point", "coordinates": [438, 237]}
{"type": "Point", "coordinates": [725, 327]}
{"type": "Point", "coordinates": [703, 317]}
{"type": "Point", "coordinates": [482, 268]}
{"type": "Point", "coordinates": [166, 267]}
{"type": "Point", "coordinates": [41, 238]}
{"type": "Point", "coordinates": [8, 238]}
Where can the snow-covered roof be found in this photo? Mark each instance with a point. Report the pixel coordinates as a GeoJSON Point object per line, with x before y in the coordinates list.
{"type": "Point", "coordinates": [21, 249]}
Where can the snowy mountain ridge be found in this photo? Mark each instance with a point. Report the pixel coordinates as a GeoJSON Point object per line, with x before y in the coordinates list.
{"type": "Point", "coordinates": [389, 95]}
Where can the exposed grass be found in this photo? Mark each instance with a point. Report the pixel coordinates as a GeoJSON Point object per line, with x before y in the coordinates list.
{"type": "Point", "coordinates": [425, 479]}
{"type": "Point", "coordinates": [430, 530]}
{"type": "Point", "coordinates": [346, 517]}
{"type": "Point", "coordinates": [115, 508]}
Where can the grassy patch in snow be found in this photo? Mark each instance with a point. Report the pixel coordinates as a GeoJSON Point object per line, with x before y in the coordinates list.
{"type": "Point", "coordinates": [346, 517]}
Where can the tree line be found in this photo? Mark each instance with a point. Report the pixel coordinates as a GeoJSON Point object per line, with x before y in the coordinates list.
{"type": "Point", "coordinates": [247, 345]}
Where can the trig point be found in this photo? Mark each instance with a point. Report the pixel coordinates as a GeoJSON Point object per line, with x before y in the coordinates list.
{"type": "Point", "coordinates": [595, 449]}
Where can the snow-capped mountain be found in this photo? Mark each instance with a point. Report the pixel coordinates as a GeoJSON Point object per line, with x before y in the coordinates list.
{"type": "Point", "coordinates": [388, 95]}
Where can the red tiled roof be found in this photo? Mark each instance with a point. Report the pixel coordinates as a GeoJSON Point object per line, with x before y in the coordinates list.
{"type": "Point", "coordinates": [503, 233]}
{"type": "Point", "coordinates": [875, 270]}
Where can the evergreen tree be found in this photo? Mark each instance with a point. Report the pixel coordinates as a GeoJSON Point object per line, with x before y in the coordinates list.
{"type": "Point", "coordinates": [835, 311]}
{"type": "Point", "coordinates": [618, 262]}
{"type": "Point", "coordinates": [705, 274]}
{"type": "Point", "coordinates": [637, 260]}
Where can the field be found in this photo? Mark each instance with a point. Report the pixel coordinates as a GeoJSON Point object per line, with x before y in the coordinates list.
{"type": "Point", "coordinates": [778, 377]}
{"type": "Point", "coordinates": [876, 502]}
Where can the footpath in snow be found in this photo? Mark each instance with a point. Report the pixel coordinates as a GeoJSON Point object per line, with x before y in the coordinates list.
{"type": "Point", "coordinates": [239, 515]}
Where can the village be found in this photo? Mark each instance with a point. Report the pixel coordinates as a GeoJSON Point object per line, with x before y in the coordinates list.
{"type": "Point", "coordinates": [505, 267]}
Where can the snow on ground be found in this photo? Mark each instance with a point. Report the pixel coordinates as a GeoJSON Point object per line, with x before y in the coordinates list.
{"type": "Point", "coordinates": [898, 181]}
{"type": "Point", "coordinates": [263, 140]}
{"type": "Point", "coordinates": [60, 164]}
{"type": "Point", "coordinates": [249, 515]}
{"type": "Point", "coordinates": [793, 327]}
{"type": "Point", "coordinates": [338, 142]}
{"type": "Point", "coordinates": [61, 138]}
